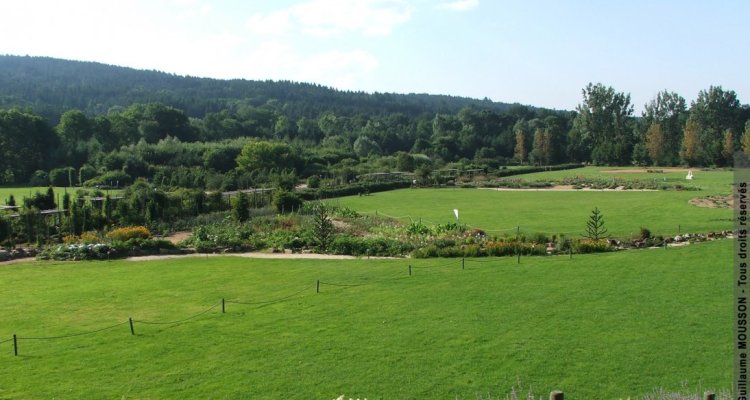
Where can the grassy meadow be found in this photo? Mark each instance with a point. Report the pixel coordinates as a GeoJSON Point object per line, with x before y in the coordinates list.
{"type": "Point", "coordinates": [604, 326]}
{"type": "Point", "coordinates": [560, 212]}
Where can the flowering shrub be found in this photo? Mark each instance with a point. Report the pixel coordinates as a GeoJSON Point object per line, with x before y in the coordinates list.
{"type": "Point", "coordinates": [89, 237]}
{"type": "Point", "coordinates": [129, 232]}
{"type": "Point", "coordinates": [592, 246]}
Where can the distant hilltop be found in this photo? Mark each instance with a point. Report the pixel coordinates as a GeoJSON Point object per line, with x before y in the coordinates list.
{"type": "Point", "coordinates": [51, 86]}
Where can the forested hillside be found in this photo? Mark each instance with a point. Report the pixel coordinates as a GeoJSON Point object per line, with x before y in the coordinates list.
{"type": "Point", "coordinates": [51, 86]}
{"type": "Point", "coordinates": [65, 122]}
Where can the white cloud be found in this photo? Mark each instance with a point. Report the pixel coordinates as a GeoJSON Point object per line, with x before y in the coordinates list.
{"type": "Point", "coordinates": [281, 61]}
{"type": "Point", "coordinates": [191, 38]}
{"type": "Point", "coordinates": [269, 24]}
{"type": "Point", "coordinates": [460, 5]}
{"type": "Point", "coordinates": [334, 17]}
{"type": "Point", "coordinates": [340, 69]}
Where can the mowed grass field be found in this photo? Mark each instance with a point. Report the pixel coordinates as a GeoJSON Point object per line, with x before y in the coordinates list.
{"type": "Point", "coordinates": [604, 326]}
{"type": "Point", "coordinates": [560, 212]}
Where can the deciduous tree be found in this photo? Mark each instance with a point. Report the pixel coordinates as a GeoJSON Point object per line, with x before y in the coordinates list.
{"type": "Point", "coordinates": [746, 139]}
{"type": "Point", "coordinates": [669, 110]}
{"type": "Point", "coordinates": [656, 143]}
{"type": "Point", "coordinates": [713, 112]}
{"type": "Point", "coordinates": [727, 148]}
{"type": "Point", "coordinates": [691, 147]}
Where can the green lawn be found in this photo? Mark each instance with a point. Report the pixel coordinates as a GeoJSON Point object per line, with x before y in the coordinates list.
{"type": "Point", "coordinates": [550, 212]}
{"type": "Point", "coordinates": [598, 327]}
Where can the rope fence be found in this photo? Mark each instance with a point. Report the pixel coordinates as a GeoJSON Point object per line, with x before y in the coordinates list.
{"type": "Point", "coordinates": [252, 303]}
{"type": "Point", "coordinates": [459, 263]}
{"type": "Point", "coordinates": [180, 320]}
{"type": "Point", "coordinates": [72, 334]}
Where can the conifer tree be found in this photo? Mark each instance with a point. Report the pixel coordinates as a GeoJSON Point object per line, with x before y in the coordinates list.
{"type": "Point", "coordinates": [595, 229]}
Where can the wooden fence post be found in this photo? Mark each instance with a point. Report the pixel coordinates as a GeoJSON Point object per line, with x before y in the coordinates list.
{"type": "Point", "coordinates": [317, 288]}
{"type": "Point", "coordinates": [132, 330]}
{"type": "Point", "coordinates": [222, 305]}
{"type": "Point", "coordinates": [556, 395]}
{"type": "Point", "coordinates": [410, 270]}
{"type": "Point", "coordinates": [15, 345]}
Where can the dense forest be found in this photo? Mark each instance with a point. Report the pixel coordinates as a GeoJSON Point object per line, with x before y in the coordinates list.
{"type": "Point", "coordinates": [68, 123]}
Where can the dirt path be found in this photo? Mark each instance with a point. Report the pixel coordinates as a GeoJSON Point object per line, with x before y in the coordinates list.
{"type": "Point", "coordinates": [255, 254]}
{"type": "Point", "coordinates": [177, 237]}
{"type": "Point", "coordinates": [643, 170]}
{"type": "Point", "coordinates": [568, 188]}
{"type": "Point", "coordinates": [18, 261]}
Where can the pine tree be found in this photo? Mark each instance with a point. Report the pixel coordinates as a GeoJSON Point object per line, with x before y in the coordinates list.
{"type": "Point", "coordinates": [322, 227]}
{"type": "Point", "coordinates": [66, 201]}
{"type": "Point", "coordinates": [595, 229]}
{"type": "Point", "coordinates": [241, 208]}
{"type": "Point", "coordinates": [50, 198]}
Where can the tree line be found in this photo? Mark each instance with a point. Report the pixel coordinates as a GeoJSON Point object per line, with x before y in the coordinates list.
{"type": "Point", "coordinates": [245, 145]}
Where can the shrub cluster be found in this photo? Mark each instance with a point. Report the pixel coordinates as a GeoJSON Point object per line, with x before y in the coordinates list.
{"type": "Point", "coordinates": [498, 248]}
{"type": "Point", "coordinates": [225, 235]}
{"type": "Point", "coordinates": [528, 170]}
{"type": "Point", "coordinates": [369, 246]}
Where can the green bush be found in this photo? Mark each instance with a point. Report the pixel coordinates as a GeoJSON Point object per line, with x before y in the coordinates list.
{"type": "Point", "coordinates": [227, 234]}
{"type": "Point", "coordinates": [110, 179]}
{"type": "Point", "coordinates": [417, 228]}
{"type": "Point", "coordinates": [313, 182]}
{"type": "Point", "coordinates": [62, 176]}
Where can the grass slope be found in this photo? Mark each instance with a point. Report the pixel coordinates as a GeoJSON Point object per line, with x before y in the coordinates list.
{"type": "Point", "coordinates": [604, 326]}
{"type": "Point", "coordinates": [550, 212]}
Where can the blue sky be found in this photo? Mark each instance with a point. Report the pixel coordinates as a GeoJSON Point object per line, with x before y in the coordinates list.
{"type": "Point", "coordinates": [532, 52]}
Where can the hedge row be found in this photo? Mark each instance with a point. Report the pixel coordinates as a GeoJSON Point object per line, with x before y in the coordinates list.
{"type": "Point", "coordinates": [350, 190]}
{"type": "Point", "coordinates": [528, 170]}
